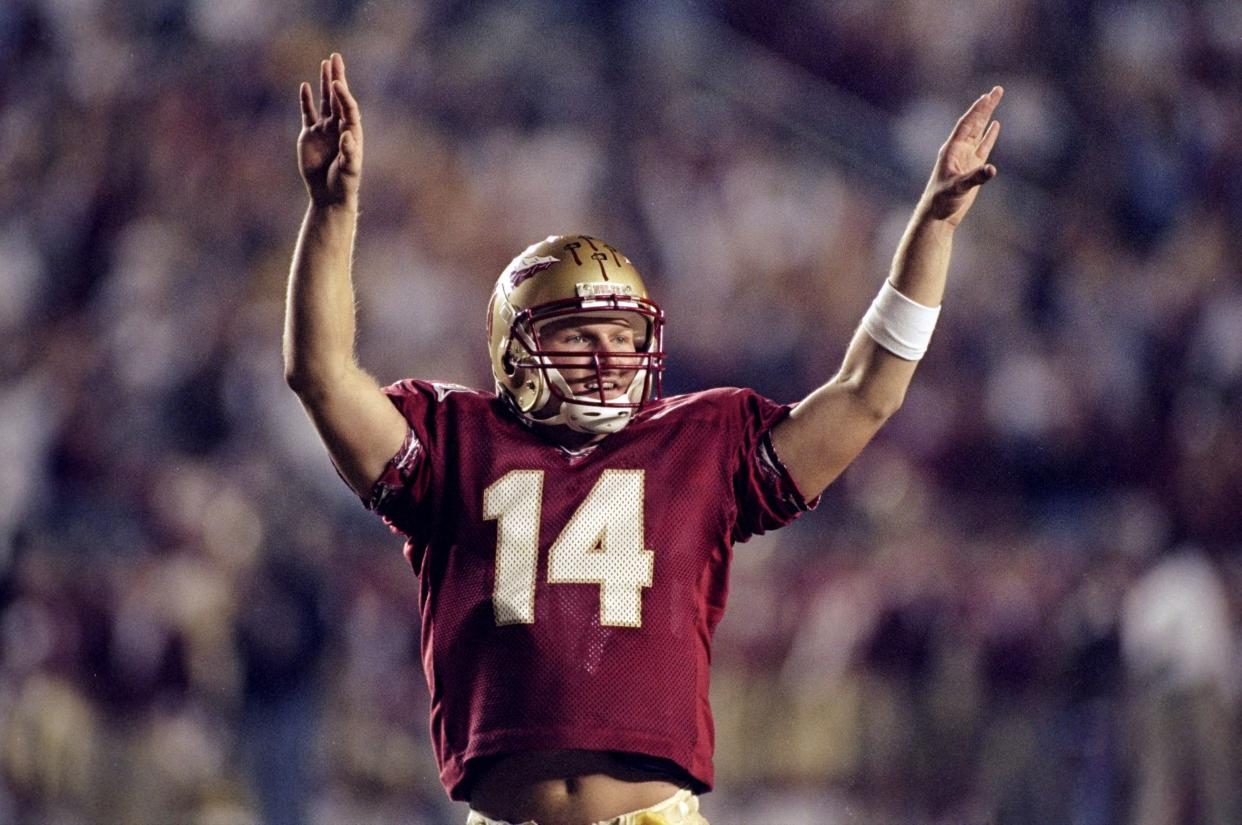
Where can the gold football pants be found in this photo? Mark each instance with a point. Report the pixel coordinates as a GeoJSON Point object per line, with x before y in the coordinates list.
{"type": "Point", "coordinates": [682, 808]}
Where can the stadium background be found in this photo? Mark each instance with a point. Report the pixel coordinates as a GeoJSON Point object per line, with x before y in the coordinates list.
{"type": "Point", "coordinates": [1021, 605]}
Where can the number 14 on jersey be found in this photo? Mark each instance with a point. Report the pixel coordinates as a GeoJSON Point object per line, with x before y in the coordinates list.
{"type": "Point", "coordinates": [602, 544]}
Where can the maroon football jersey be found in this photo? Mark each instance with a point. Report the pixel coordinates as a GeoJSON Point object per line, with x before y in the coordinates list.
{"type": "Point", "coordinates": [569, 600]}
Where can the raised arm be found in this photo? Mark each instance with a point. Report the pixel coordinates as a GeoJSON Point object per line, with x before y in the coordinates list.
{"type": "Point", "coordinates": [359, 425]}
{"type": "Point", "coordinates": [831, 426]}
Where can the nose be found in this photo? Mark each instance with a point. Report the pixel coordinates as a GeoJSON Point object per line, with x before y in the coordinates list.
{"type": "Point", "coordinates": [610, 348]}
{"type": "Point", "coordinates": [617, 362]}
{"type": "Point", "coordinates": [609, 363]}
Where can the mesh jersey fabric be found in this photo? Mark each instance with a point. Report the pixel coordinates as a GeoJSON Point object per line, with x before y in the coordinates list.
{"type": "Point", "coordinates": [568, 600]}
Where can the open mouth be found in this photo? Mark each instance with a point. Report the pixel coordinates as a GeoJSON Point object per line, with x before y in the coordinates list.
{"type": "Point", "coordinates": [610, 389]}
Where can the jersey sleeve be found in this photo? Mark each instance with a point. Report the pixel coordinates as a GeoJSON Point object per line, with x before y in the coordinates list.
{"type": "Point", "coordinates": [401, 495]}
{"type": "Point", "coordinates": [767, 496]}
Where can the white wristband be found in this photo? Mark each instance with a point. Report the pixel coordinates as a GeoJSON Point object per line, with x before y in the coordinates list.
{"type": "Point", "coordinates": [900, 325]}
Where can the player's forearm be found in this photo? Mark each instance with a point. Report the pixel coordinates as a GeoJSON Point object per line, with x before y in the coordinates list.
{"type": "Point", "coordinates": [921, 264]}
{"type": "Point", "coordinates": [920, 267]}
{"type": "Point", "coordinates": [319, 309]}
{"type": "Point", "coordinates": [827, 430]}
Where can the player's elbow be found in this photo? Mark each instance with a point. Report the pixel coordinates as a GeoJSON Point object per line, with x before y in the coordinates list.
{"type": "Point", "coordinates": [884, 406]}
{"type": "Point", "coordinates": [297, 378]}
{"type": "Point", "coordinates": [877, 400]}
{"type": "Point", "coordinates": [306, 383]}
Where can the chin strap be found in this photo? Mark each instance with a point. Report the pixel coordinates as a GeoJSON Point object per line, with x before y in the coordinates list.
{"type": "Point", "coordinates": [595, 418]}
{"type": "Point", "coordinates": [590, 418]}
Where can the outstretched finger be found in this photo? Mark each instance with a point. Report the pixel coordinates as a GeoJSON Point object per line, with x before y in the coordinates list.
{"type": "Point", "coordinates": [971, 124]}
{"type": "Point", "coordinates": [989, 140]}
{"type": "Point", "coordinates": [347, 107]}
{"type": "Point", "coordinates": [308, 105]}
{"type": "Point", "coordinates": [325, 84]}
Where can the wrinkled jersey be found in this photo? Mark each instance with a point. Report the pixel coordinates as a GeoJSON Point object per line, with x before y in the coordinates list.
{"type": "Point", "coordinates": [569, 600]}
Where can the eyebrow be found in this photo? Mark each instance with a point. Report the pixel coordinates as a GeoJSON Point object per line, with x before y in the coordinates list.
{"type": "Point", "coordinates": [557, 327]}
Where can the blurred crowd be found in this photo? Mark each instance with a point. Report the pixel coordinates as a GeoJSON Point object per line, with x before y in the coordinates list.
{"type": "Point", "coordinates": [1021, 605]}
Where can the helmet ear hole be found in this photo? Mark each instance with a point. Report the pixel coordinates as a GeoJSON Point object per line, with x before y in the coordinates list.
{"type": "Point", "coordinates": [511, 353]}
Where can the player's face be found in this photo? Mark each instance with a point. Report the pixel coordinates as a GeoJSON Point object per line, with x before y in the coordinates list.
{"type": "Point", "coordinates": [584, 334]}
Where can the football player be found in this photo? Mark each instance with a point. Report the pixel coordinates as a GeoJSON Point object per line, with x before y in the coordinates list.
{"type": "Point", "coordinates": [571, 531]}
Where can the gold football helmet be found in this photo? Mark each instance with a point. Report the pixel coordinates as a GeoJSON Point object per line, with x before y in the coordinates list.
{"type": "Point", "coordinates": [569, 276]}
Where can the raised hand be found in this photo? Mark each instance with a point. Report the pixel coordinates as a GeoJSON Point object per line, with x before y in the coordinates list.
{"type": "Point", "coordinates": [330, 145]}
{"type": "Point", "coordinates": [962, 163]}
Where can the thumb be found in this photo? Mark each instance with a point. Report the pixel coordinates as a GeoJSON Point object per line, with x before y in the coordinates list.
{"type": "Point", "coordinates": [351, 152]}
{"type": "Point", "coordinates": [970, 180]}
